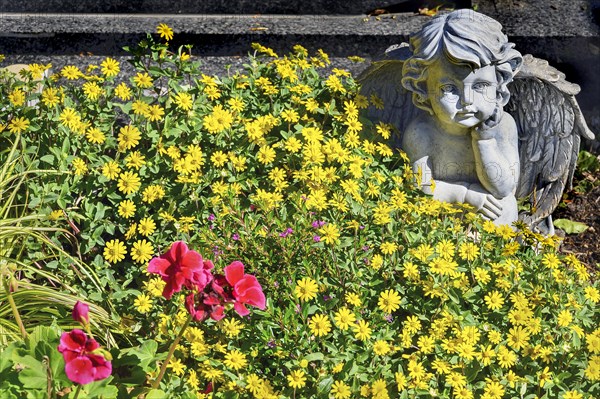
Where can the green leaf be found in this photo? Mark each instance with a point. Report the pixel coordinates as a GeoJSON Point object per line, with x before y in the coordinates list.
{"type": "Point", "coordinates": [325, 384]}
{"type": "Point", "coordinates": [33, 375]}
{"type": "Point", "coordinates": [156, 394]}
{"type": "Point", "coordinates": [6, 357]}
{"type": "Point", "coordinates": [314, 356]}
{"type": "Point", "coordinates": [100, 210]}
{"type": "Point", "coordinates": [49, 158]}
{"type": "Point", "coordinates": [145, 353]}
{"type": "Point", "coordinates": [66, 146]}
{"type": "Point", "coordinates": [588, 162]}
{"type": "Point", "coordinates": [37, 394]}
{"type": "Point", "coordinates": [101, 389]}
{"type": "Point", "coordinates": [7, 393]}
{"type": "Point", "coordinates": [53, 358]}
{"type": "Point", "coordinates": [570, 226]}
{"type": "Point", "coordinates": [41, 334]}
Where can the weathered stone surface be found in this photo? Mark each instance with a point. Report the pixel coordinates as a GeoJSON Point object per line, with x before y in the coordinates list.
{"type": "Point", "coordinates": [448, 109]}
{"type": "Point", "coordinates": [195, 6]}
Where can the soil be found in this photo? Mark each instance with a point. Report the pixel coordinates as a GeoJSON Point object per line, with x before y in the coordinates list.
{"type": "Point", "coordinates": [583, 207]}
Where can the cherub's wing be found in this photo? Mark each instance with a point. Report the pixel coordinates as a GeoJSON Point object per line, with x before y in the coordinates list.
{"type": "Point", "coordinates": [383, 80]}
{"type": "Point", "coordinates": [550, 125]}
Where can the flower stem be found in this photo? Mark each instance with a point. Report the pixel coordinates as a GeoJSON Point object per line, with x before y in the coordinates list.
{"type": "Point", "coordinates": [15, 310]}
{"type": "Point", "coordinates": [78, 391]}
{"type": "Point", "coordinates": [163, 367]}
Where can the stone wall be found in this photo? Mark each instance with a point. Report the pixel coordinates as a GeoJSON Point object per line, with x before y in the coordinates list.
{"type": "Point", "coordinates": [564, 32]}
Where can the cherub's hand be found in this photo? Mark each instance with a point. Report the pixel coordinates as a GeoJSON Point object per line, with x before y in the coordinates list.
{"type": "Point", "coordinates": [485, 130]}
{"type": "Point", "coordinates": [486, 204]}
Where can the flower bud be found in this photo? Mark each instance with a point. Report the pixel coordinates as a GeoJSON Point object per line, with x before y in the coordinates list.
{"type": "Point", "coordinates": [80, 312]}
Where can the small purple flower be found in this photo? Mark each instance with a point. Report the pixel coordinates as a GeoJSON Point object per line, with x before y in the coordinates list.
{"type": "Point", "coordinates": [275, 284]}
{"type": "Point", "coordinates": [389, 318]}
{"type": "Point", "coordinates": [317, 224]}
{"type": "Point", "coordinates": [326, 297]}
{"type": "Point", "coordinates": [286, 233]}
{"type": "Point", "coordinates": [217, 252]}
{"type": "Point", "coordinates": [235, 237]}
{"type": "Point", "coordinates": [361, 227]}
{"type": "Point", "coordinates": [365, 248]}
{"type": "Point", "coordinates": [316, 238]}
{"type": "Point", "coordinates": [211, 217]}
{"type": "Point", "coordinates": [271, 344]}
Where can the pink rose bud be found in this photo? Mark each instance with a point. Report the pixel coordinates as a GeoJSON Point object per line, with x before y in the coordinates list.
{"type": "Point", "coordinates": [80, 312]}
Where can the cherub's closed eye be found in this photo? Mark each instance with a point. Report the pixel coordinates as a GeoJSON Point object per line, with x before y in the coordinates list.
{"type": "Point", "coordinates": [449, 90]}
{"type": "Point", "coordinates": [481, 86]}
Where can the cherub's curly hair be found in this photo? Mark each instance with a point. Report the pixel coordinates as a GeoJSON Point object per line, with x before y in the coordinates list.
{"type": "Point", "coordinates": [463, 37]}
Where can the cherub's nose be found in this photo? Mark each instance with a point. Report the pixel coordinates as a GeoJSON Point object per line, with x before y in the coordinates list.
{"type": "Point", "coordinates": [467, 96]}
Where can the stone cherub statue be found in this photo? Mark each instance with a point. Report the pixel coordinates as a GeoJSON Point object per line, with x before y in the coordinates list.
{"type": "Point", "coordinates": [481, 123]}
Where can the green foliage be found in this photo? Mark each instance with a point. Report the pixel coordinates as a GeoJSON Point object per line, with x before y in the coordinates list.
{"type": "Point", "coordinates": [570, 226]}
{"type": "Point", "coordinates": [33, 367]}
{"type": "Point", "coordinates": [27, 288]}
{"type": "Point", "coordinates": [588, 166]}
{"type": "Point", "coordinates": [372, 288]}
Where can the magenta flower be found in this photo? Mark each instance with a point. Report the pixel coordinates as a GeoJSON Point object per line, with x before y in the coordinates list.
{"type": "Point", "coordinates": [80, 312]}
{"type": "Point", "coordinates": [286, 233]}
{"type": "Point", "coordinates": [246, 288]}
{"type": "Point", "coordinates": [203, 305]}
{"type": "Point", "coordinates": [181, 267]}
{"type": "Point", "coordinates": [83, 363]}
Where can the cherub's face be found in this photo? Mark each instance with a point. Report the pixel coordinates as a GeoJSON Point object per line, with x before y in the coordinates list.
{"type": "Point", "coordinates": [461, 97]}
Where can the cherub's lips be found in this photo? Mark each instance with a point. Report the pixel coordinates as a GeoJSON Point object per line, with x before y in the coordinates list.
{"type": "Point", "coordinates": [466, 114]}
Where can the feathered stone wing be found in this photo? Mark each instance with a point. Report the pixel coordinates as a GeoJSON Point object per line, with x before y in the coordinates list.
{"type": "Point", "coordinates": [383, 79]}
{"type": "Point", "coordinates": [550, 125]}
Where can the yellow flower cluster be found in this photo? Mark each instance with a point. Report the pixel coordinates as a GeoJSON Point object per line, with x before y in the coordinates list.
{"type": "Point", "coordinates": [380, 292]}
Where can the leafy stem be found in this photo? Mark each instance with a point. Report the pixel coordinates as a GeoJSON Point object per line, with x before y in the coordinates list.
{"type": "Point", "coordinates": [13, 306]}
{"type": "Point", "coordinates": [163, 367]}
{"type": "Point", "coordinates": [78, 391]}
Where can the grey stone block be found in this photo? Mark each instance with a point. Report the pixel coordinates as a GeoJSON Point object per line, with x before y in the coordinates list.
{"type": "Point", "coordinates": [196, 7]}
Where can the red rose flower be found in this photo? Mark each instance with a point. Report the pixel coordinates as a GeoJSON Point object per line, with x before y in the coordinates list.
{"type": "Point", "coordinates": [80, 312]}
{"type": "Point", "coordinates": [181, 267]}
{"type": "Point", "coordinates": [246, 288]}
{"type": "Point", "coordinates": [82, 364]}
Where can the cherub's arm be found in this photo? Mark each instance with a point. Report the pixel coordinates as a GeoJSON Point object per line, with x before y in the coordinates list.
{"type": "Point", "coordinates": [417, 143]}
{"type": "Point", "coordinates": [456, 192]}
{"type": "Point", "coordinates": [497, 157]}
